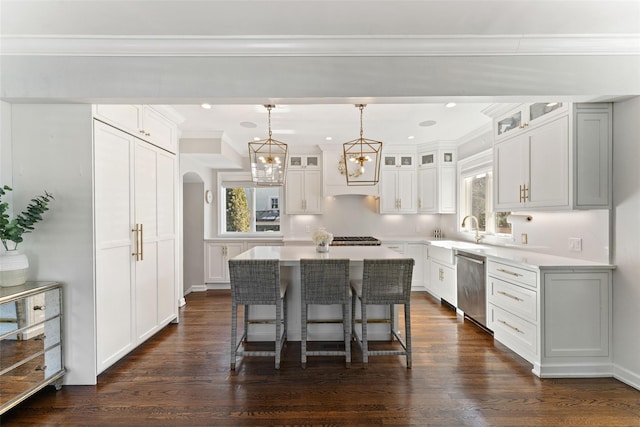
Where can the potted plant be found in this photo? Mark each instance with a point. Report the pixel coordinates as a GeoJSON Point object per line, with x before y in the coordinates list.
{"type": "Point", "coordinates": [13, 264]}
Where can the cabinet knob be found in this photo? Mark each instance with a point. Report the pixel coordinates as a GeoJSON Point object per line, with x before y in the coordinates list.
{"type": "Point", "coordinates": [41, 368]}
{"type": "Point", "coordinates": [38, 307]}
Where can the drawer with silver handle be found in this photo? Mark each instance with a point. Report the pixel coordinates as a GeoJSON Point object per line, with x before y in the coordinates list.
{"type": "Point", "coordinates": [512, 331]}
{"type": "Point", "coordinates": [513, 274]}
{"type": "Point", "coordinates": [516, 299]}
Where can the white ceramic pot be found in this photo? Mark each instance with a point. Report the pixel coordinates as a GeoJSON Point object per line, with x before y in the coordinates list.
{"type": "Point", "coordinates": [322, 247]}
{"type": "Point", "coordinates": [13, 268]}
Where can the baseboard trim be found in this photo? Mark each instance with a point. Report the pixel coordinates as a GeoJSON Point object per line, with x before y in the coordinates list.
{"type": "Point", "coordinates": [626, 376]}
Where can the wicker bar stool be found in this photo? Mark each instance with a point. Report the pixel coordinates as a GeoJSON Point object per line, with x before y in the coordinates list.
{"type": "Point", "coordinates": [384, 282]}
{"type": "Point", "coordinates": [257, 282]}
{"type": "Point", "coordinates": [325, 282]}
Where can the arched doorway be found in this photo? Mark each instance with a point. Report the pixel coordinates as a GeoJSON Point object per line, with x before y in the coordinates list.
{"type": "Point", "coordinates": [192, 233]}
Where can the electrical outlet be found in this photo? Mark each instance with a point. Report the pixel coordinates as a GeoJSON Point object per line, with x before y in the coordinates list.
{"type": "Point", "coordinates": [575, 244]}
{"type": "Point", "coordinates": [307, 228]}
{"type": "Point", "coordinates": [524, 238]}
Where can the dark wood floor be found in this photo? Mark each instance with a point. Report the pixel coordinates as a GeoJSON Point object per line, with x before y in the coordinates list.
{"type": "Point", "coordinates": [460, 377]}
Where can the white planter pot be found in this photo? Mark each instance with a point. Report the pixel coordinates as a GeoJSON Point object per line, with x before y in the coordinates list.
{"type": "Point", "coordinates": [13, 268]}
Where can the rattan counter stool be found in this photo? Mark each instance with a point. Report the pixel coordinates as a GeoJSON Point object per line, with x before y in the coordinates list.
{"type": "Point", "coordinates": [325, 282]}
{"type": "Point", "coordinates": [257, 282]}
{"type": "Point", "coordinates": [384, 282]}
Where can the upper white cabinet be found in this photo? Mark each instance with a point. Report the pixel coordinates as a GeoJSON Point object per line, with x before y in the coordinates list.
{"type": "Point", "coordinates": [525, 116]}
{"type": "Point", "coordinates": [561, 160]}
{"type": "Point", "coordinates": [304, 161]}
{"type": "Point", "coordinates": [403, 161]}
{"type": "Point", "coordinates": [437, 178]}
{"type": "Point", "coordinates": [398, 189]}
{"type": "Point", "coordinates": [141, 121]}
{"type": "Point", "coordinates": [303, 189]}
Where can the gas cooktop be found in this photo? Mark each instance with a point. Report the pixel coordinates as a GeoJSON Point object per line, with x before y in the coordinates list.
{"type": "Point", "coordinates": [355, 241]}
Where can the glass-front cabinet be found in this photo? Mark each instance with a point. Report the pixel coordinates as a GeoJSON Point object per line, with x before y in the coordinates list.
{"type": "Point", "coordinates": [304, 161]}
{"type": "Point", "coordinates": [31, 354]}
{"type": "Point", "coordinates": [525, 116]}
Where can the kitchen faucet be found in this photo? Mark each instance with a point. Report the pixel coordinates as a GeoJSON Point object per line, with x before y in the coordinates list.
{"type": "Point", "coordinates": [478, 236]}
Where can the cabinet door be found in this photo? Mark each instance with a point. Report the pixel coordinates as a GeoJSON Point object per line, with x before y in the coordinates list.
{"type": "Point", "coordinates": [295, 192]}
{"type": "Point", "coordinates": [146, 271]}
{"type": "Point", "coordinates": [447, 190]}
{"type": "Point", "coordinates": [406, 191]}
{"type": "Point", "coordinates": [158, 130]}
{"type": "Point", "coordinates": [388, 191]}
{"type": "Point", "coordinates": [313, 191]}
{"type": "Point", "coordinates": [113, 151]}
{"type": "Point", "coordinates": [167, 291]}
{"type": "Point", "coordinates": [548, 184]}
{"type": "Point", "coordinates": [509, 164]}
{"type": "Point", "coordinates": [427, 184]}
{"type": "Point", "coordinates": [125, 117]}
{"type": "Point", "coordinates": [592, 159]}
{"type": "Point", "coordinates": [416, 251]}
{"type": "Point", "coordinates": [216, 260]}
{"type": "Point", "coordinates": [443, 280]}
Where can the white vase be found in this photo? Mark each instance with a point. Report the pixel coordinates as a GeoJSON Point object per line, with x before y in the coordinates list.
{"type": "Point", "coordinates": [13, 268]}
{"type": "Point", "coordinates": [322, 247]}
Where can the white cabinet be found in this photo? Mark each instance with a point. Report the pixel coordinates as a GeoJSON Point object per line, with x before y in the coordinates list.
{"type": "Point", "coordinates": [417, 252]}
{"type": "Point", "coordinates": [436, 178]}
{"type": "Point", "coordinates": [398, 192]}
{"type": "Point", "coordinates": [443, 282]}
{"type": "Point", "coordinates": [401, 161]}
{"type": "Point", "coordinates": [561, 160]}
{"type": "Point", "coordinates": [559, 319]}
{"type": "Point", "coordinates": [521, 117]}
{"type": "Point", "coordinates": [141, 121]}
{"type": "Point", "coordinates": [532, 168]}
{"type": "Point", "coordinates": [304, 161]}
{"type": "Point", "coordinates": [217, 257]}
{"type": "Point", "coordinates": [303, 188]}
{"type": "Point", "coordinates": [135, 236]}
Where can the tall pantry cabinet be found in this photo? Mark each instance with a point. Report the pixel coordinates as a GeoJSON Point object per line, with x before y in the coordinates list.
{"type": "Point", "coordinates": [135, 241]}
{"type": "Point", "coordinates": [110, 236]}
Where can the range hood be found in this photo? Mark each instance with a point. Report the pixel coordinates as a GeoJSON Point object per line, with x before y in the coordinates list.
{"type": "Point", "coordinates": [335, 183]}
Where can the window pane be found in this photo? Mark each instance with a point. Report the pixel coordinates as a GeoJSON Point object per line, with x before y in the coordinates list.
{"type": "Point", "coordinates": [238, 213]}
{"type": "Point", "coordinates": [479, 201]}
{"type": "Point", "coordinates": [267, 209]}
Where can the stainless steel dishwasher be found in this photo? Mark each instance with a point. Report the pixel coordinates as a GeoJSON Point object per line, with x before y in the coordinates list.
{"type": "Point", "coordinates": [472, 289]}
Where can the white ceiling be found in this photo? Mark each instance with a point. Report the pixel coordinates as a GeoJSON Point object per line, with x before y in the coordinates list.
{"type": "Point", "coordinates": [305, 126]}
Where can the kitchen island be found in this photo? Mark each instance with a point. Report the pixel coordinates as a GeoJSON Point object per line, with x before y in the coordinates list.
{"type": "Point", "coordinates": [289, 257]}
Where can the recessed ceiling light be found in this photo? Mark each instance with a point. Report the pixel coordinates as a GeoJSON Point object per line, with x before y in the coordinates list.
{"type": "Point", "coordinates": [256, 138]}
{"type": "Point", "coordinates": [450, 104]}
{"type": "Point", "coordinates": [410, 137]}
{"type": "Point", "coordinates": [427, 123]}
{"type": "Point", "coordinates": [206, 106]}
{"type": "Point", "coordinates": [328, 138]}
{"type": "Point", "coordinates": [249, 125]}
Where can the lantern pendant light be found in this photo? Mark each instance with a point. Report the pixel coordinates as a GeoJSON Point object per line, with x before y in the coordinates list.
{"type": "Point", "coordinates": [268, 158]}
{"type": "Point", "coordinates": [362, 158]}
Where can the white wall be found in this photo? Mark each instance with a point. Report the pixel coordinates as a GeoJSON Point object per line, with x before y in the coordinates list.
{"type": "Point", "coordinates": [52, 150]}
{"type": "Point", "coordinates": [357, 216]}
{"type": "Point", "coordinates": [626, 277]}
{"type": "Point", "coordinates": [5, 146]}
{"type": "Point", "coordinates": [193, 234]}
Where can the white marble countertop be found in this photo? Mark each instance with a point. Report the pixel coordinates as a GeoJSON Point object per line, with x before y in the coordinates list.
{"type": "Point", "coordinates": [291, 255]}
{"type": "Point", "coordinates": [526, 258]}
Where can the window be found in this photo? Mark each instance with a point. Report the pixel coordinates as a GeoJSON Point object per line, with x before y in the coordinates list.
{"type": "Point", "coordinates": [476, 196]}
{"type": "Point", "coordinates": [251, 209]}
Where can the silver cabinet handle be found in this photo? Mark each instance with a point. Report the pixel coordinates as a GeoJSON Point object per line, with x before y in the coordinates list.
{"type": "Point", "coordinates": [510, 296]}
{"type": "Point", "coordinates": [510, 326]}
{"type": "Point", "coordinates": [502, 270]}
{"type": "Point", "coordinates": [466, 258]}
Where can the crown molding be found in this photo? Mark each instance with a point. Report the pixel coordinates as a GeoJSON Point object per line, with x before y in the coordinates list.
{"type": "Point", "coordinates": [321, 46]}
